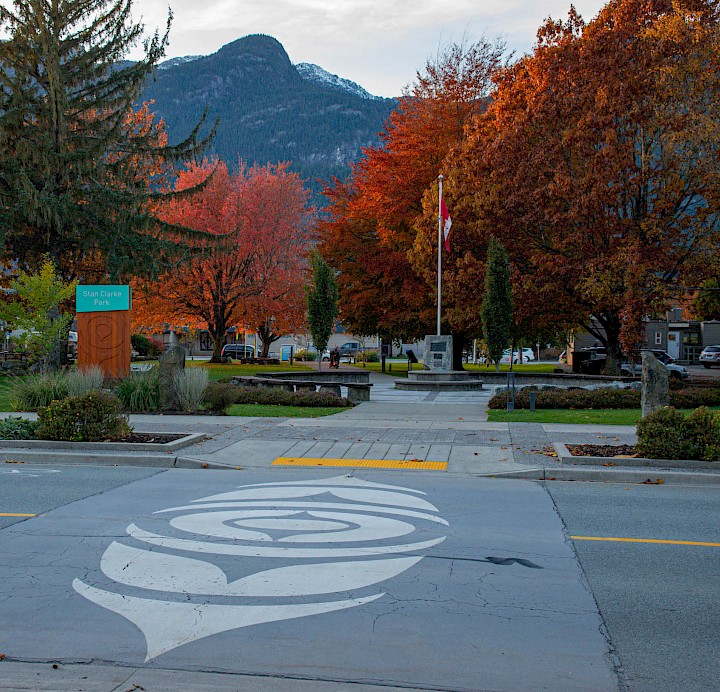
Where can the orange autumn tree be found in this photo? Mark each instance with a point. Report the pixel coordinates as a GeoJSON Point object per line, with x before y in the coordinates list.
{"type": "Point", "coordinates": [262, 229]}
{"type": "Point", "coordinates": [373, 215]}
{"type": "Point", "coordinates": [598, 162]}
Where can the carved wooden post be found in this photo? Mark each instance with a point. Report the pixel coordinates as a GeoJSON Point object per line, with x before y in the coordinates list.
{"type": "Point", "coordinates": [103, 316]}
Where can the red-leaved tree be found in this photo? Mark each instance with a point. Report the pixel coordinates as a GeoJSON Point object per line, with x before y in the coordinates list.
{"type": "Point", "coordinates": [262, 229]}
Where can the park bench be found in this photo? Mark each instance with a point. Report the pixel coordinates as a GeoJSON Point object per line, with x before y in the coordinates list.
{"type": "Point", "coordinates": [357, 391]}
{"type": "Point", "coordinates": [20, 356]}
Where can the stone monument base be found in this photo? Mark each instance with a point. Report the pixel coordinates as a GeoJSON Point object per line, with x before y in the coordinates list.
{"type": "Point", "coordinates": [442, 381]}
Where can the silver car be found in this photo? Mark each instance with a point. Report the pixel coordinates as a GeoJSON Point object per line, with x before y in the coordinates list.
{"type": "Point", "coordinates": [633, 368]}
{"type": "Point", "coordinates": [710, 356]}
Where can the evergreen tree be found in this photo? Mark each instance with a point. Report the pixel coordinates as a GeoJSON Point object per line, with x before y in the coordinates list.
{"type": "Point", "coordinates": [78, 171]}
{"type": "Point", "coordinates": [322, 302]}
{"type": "Point", "coordinates": [497, 306]}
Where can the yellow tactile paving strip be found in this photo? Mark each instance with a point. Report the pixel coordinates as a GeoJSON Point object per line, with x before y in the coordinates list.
{"type": "Point", "coordinates": [363, 463]}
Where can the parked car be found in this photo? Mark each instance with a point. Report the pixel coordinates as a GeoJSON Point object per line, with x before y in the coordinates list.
{"type": "Point", "coordinates": [710, 356]}
{"type": "Point", "coordinates": [237, 351]}
{"type": "Point", "coordinates": [349, 348]}
{"type": "Point", "coordinates": [527, 355]}
{"type": "Point", "coordinates": [590, 360]}
{"type": "Point", "coordinates": [633, 366]}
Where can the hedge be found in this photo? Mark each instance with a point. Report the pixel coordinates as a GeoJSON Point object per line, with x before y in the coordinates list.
{"type": "Point", "coordinates": [604, 398]}
{"type": "Point", "coordinates": [669, 434]}
{"type": "Point", "coordinates": [219, 396]}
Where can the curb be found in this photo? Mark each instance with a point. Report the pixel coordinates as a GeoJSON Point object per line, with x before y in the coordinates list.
{"type": "Point", "coordinates": [103, 447]}
{"type": "Point", "coordinates": [602, 475]}
{"type": "Point", "coordinates": [52, 456]}
{"type": "Point", "coordinates": [566, 457]}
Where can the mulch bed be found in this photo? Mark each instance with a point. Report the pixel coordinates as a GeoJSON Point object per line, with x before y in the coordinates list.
{"type": "Point", "coordinates": [602, 450]}
{"type": "Point", "coordinates": [157, 438]}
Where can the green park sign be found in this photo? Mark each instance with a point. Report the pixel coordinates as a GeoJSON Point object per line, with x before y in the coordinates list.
{"type": "Point", "coordinates": [102, 298]}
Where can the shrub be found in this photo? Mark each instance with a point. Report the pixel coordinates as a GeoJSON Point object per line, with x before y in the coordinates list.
{"type": "Point", "coordinates": [304, 354]}
{"type": "Point", "coordinates": [219, 395]}
{"type": "Point", "coordinates": [93, 417]}
{"type": "Point", "coordinates": [141, 344]}
{"type": "Point", "coordinates": [605, 397]}
{"type": "Point", "coordinates": [702, 426]}
{"type": "Point", "coordinates": [81, 382]}
{"type": "Point", "coordinates": [693, 397]}
{"type": "Point", "coordinates": [140, 392]}
{"type": "Point", "coordinates": [147, 347]}
{"type": "Point", "coordinates": [18, 429]}
{"type": "Point", "coordinates": [190, 385]}
{"type": "Point", "coordinates": [274, 396]}
{"type": "Point", "coordinates": [36, 391]}
{"type": "Point", "coordinates": [372, 357]}
{"type": "Point", "coordinates": [668, 434]}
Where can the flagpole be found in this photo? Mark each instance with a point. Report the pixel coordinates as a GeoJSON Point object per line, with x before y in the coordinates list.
{"type": "Point", "coordinates": [439, 256]}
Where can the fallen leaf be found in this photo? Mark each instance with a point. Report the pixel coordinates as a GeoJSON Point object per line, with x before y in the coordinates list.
{"type": "Point", "coordinates": [649, 481]}
{"type": "Point", "coordinates": [13, 461]}
{"type": "Point", "coordinates": [2, 656]}
{"type": "Point", "coordinates": [609, 464]}
{"type": "Point", "coordinates": [206, 466]}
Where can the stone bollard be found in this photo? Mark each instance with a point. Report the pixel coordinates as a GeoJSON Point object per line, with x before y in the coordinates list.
{"type": "Point", "coordinates": [655, 385]}
{"type": "Point", "coordinates": [170, 363]}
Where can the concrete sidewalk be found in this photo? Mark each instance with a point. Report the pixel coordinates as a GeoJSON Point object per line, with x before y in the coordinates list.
{"type": "Point", "coordinates": [394, 425]}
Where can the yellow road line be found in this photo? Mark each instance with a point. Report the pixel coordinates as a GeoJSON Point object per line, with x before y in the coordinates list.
{"type": "Point", "coordinates": [643, 540]}
{"type": "Point", "coordinates": [11, 514]}
{"type": "Point", "coordinates": [363, 463]}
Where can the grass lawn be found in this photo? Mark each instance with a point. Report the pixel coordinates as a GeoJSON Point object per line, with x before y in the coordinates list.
{"type": "Point", "coordinates": [575, 416]}
{"type": "Point", "coordinates": [6, 388]}
{"type": "Point", "coordinates": [219, 370]}
{"type": "Point", "coordinates": [398, 368]}
{"type": "Point", "coordinates": [268, 411]}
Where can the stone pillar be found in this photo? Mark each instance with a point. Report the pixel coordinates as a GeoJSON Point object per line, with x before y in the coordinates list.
{"type": "Point", "coordinates": [655, 384]}
{"type": "Point", "coordinates": [170, 363]}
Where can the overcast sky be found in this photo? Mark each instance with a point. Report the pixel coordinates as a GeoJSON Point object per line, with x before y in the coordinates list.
{"type": "Point", "coordinates": [379, 44]}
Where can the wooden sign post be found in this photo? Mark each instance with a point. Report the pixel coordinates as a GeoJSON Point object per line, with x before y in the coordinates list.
{"type": "Point", "coordinates": [103, 317]}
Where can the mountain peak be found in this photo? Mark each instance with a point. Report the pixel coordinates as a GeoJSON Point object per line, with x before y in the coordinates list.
{"type": "Point", "coordinates": [315, 73]}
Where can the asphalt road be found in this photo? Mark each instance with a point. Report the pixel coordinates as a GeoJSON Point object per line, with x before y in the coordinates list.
{"type": "Point", "coordinates": [659, 601]}
{"type": "Point", "coordinates": [310, 579]}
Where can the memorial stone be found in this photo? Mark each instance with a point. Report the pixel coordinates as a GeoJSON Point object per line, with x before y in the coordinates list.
{"type": "Point", "coordinates": [169, 364]}
{"type": "Point", "coordinates": [655, 385]}
{"type": "Point", "coordinates": [438, 352]}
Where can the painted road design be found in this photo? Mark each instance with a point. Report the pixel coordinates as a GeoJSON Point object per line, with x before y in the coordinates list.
{"type": "Point", "coordinates": [349, 541]}
{"type": "Point", "coordinates": [375, 577]}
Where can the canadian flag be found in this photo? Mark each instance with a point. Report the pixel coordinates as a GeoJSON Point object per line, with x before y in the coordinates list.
{"type": "Point", "coordinates": [446, 223]}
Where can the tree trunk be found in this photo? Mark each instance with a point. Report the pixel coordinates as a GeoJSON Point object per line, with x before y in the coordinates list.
{"type": "Point", "coordinates": [459, 341]}
{"type": "Point", "coordinates": [56, 358]}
